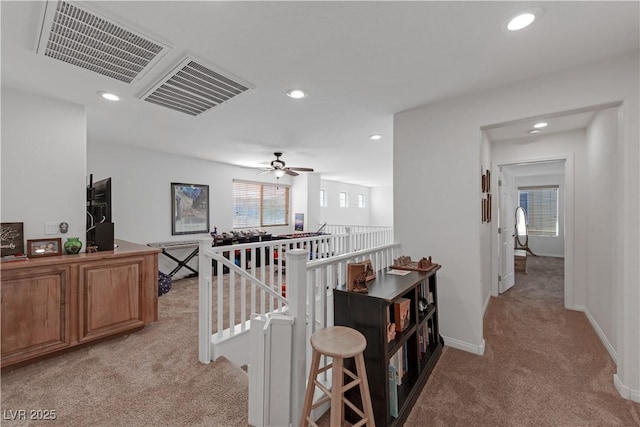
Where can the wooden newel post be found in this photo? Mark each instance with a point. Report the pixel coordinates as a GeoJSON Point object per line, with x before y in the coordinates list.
{"type": "Point", "coordinates": [297, 296]}
{"type": "Point", "coordinates": [204, 302]}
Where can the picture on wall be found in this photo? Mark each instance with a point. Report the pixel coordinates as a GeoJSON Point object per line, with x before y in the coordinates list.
{"type": "Point", "coordinates": [299, 223]}
{"type": "Point", "coordinates": [189, 208]}
{"type": "Point", "coordinates": [12, 239]}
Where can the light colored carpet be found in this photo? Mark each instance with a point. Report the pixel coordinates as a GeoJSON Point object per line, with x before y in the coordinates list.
{"type": "Point", "coordinates": [149, 378]}
{"type": "Point", "coordinates": [543, 366]}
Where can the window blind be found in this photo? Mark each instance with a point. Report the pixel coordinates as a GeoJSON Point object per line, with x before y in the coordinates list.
{"type": "Point", "coordinates": [541, 206]}
{"type": "Point", "coordinates": [259, 205]}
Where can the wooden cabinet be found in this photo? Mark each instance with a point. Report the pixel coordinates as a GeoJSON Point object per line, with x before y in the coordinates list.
{"type": "Point", "coordinates": [419, 345]}
{"type": "Point", "coordinates": [55, 303]}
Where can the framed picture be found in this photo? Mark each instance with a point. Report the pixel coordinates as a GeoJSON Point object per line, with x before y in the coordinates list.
{"type": "Point", "coordinates": [299, 223]}
{"type": "Point", "coordinates": [12, 239]}
{"type": "Point", "coordinates": [189, 208]}
{"type": "Point", "coordinates": [44, 247]}
{"type": "Point", "coordinates": [488, 181]}
{"type": "Point", "coordinates": [368, 267]}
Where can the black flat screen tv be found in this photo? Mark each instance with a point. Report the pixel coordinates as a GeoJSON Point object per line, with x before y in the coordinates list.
{"type": "Point", "coordinates": [99, 202]}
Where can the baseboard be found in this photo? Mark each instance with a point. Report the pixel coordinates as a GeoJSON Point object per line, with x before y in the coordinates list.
{"type": "Point", "coordinates": [625, 391]}
{"type": "Point", "coordinates": [486, 303]}
{"type": "Point", "coordinates": [603, 337]}
{"type": "Point", "coordinates": [464, 346]}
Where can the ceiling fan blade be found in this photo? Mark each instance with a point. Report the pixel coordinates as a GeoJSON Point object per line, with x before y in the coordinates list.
{"type": "Point", "coordinates": [301, 169]}
{"type": "Point", "coordinates": [290, 172]}
{"type": "Point", "coordinates": [264, 171]}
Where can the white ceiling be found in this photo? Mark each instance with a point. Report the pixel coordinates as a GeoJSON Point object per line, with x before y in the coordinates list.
{"type": "Point", "coordinates": [361, 62]}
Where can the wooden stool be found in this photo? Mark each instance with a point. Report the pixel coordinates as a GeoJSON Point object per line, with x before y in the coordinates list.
{"type": "Point", "coordinates": [338, 342]}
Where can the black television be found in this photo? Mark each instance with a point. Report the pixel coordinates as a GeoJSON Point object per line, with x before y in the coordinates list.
{"type": "Point", "coordinates": [99, 202]}
{"type": "Point", "coordinates": [98, 210]}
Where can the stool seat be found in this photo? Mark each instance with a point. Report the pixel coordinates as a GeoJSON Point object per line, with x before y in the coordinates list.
{"type": "Point", "coordinates": [338, 341]}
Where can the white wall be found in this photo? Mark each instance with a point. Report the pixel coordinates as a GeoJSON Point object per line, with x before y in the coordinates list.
{"type": "Point", "coordinates": [351, 215]}
{"type": "Point", "coordinates": [382, 205]}
{"type": "Point", "coordinates": [601, 206]}
{"type": "Point", "coordinates": [43, 163]}
{"type": "Point", "coordinates": [440, 144]}
{"type": "Point", "coordinates": [305, 199]}
{"type": "Point", "coordinates": [546, 245]}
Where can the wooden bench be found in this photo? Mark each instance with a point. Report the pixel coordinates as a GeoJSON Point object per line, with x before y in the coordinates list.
{"type": "Point", "coordinates": [520, 260]}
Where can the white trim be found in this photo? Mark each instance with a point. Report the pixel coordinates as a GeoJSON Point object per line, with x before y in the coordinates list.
{"type": "Point", "coordinates": [464, 346]}
{"type": "Point", "coordinates": [603, 337]}
{"type": "Point", "coordinates": [486, 304]}
{"type": "Point", "coordinates": [625, 391]}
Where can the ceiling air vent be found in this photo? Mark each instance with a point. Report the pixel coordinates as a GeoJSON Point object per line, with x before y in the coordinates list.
{"type": "Point", "coordinates": [77, 36]}
{"type": "Point", "coordinates": [193, 88]}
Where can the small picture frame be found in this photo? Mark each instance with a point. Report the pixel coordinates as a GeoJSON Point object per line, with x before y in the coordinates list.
{"type": "Point", "coordinates": [37, 248]}
{"type": "Point", "coordinates": [368, 267]}
{"type": "Point", "coordinates": [12, 239]}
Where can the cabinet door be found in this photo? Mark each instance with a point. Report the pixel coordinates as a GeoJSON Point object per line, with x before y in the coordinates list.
{"type": "Point", "coordinates": [35, 312]}
{"type": "Point", "coordinates": [110, 298]}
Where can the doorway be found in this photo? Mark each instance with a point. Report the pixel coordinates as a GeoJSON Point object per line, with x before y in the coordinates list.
{"type": "Point", "coordinates": [543, 187]}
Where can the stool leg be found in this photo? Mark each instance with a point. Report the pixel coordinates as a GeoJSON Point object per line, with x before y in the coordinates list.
{"type": "Point", "coordinates": [311, 388]}
{"type": "Point", "coordinates": [337, 378]}
{"type": "Point", "coordinates": [364, 390]}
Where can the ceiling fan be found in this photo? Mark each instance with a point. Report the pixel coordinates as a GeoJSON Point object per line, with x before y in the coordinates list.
{"type": "Point", "coordinates": [279, 168]}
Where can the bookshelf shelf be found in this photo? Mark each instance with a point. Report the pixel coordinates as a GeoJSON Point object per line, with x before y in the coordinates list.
{"type": "Point", "coordinates": [410, 356]}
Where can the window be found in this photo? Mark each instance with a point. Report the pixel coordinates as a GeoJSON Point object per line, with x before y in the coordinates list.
{"type": "Point", "coordinates": [361, 201]}
{"type": "Point", "coordinates": [344, 201]}
{"type": "Point", "coordinates": [323, 198]}
{"type": "Point", "coordinates": [260, 205]}
{"type": "Point", "coordinates": [541, 206]}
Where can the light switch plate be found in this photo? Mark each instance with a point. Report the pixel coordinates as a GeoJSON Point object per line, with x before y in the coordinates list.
{"type": "Point", "coordinates": [51, 227]}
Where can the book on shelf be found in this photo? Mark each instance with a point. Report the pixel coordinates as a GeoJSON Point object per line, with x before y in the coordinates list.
{"type": "Point", "coordinates": [402, 313]}
{"type": "Point", "coordinates": [393, 391]}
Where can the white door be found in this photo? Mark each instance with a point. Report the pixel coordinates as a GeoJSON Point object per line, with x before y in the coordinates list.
{"type": "Point", "coordinates": [506, 224]}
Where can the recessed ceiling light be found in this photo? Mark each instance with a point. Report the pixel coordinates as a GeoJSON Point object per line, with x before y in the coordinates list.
{"type": "Point", "coordinates": [534, 131]}
{"type": "Point", "coordinates": [296, 93]}
{"type": "Point", "coordinates": [521, 21]}
{"type": "Point", "coordinates": [375, 137]}
{"type": "Point", "coordinates": [540, 125]}
{"type": "Point", "coordinates": [109, 96]}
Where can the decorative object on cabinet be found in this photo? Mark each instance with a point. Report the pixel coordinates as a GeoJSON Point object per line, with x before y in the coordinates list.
{"type": "Point", "coordinates": [397, 369]}
{"type": "Point", "coordinates": [72, 245]}
{"type": "Point", "coordinates": [405, 263]}
{"type": "Point", "coordinates": [356, 277]}
{"type": "Point", "coordinates": [12, 239]}
{"type": "Point", "coordinates": [44, 247]}
{"type": "Point", "coordinates": [189, 208]}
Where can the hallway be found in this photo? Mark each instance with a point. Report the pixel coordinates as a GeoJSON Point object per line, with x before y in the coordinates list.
{"type": "Point", "coordinates": [543, 365]}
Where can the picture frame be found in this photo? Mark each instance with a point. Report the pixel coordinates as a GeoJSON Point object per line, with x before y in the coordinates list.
{"type": "Point", "coordinates": [488, 181]}
{"type": "Point", "coordinates": [12, 239]}
{"type": "Point", "coordinates": [299, 222]}
{"type": "Point", "coordinates": [37, 248]}
{"type": "Point", "coordinates": [189, 208]}
{"type": "Point", "coordinates": [372, 272]}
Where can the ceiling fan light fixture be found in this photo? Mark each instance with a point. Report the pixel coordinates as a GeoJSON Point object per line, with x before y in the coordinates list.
{"type": "Point", "coordinates": [297, 94]}
{"type": "Point", "coordinates": [279, 173]}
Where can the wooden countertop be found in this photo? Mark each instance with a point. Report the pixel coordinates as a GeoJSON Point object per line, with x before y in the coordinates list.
{"type": "Point", "coordinates": [124, 249]}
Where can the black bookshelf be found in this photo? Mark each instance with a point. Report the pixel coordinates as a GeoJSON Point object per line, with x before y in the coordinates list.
{"type": "Point", "coordinates": [369, 314]}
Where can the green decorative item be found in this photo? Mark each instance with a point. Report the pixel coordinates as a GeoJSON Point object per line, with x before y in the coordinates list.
{"type": "Point", "coordinates": [72, 245]}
